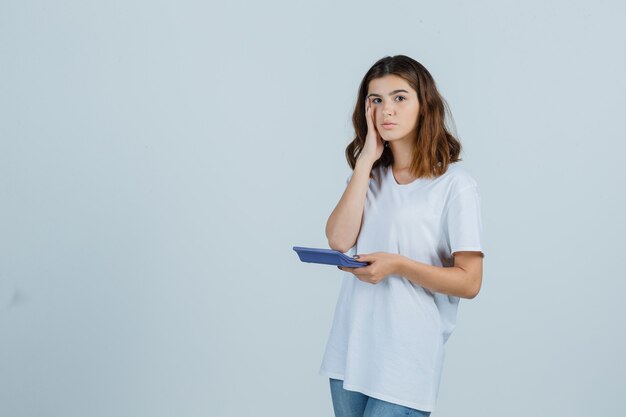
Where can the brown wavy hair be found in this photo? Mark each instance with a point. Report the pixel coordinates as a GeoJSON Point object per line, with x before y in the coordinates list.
{"type": "Point", "coordinates": [435, 147]}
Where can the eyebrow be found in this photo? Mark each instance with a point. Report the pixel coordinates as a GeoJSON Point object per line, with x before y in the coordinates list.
{"type": "Point", "coordinates": [392, 93]}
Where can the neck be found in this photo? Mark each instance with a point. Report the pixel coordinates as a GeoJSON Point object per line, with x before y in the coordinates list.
{"type": "Point", "coordinates": [402, 150]}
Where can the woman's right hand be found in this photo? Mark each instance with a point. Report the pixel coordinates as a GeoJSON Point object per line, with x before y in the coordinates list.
{"type": "Point", "coordinates": [374, 145]}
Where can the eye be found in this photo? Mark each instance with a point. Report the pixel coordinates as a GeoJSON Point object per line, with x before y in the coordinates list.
{"type": "Point", "coordinates": [375, 102]}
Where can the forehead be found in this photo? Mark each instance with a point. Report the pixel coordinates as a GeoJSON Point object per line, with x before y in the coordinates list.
{"type": "Point", "coordinates": [388, 83]}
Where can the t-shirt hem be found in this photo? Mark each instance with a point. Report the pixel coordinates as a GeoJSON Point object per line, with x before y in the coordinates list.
{"type": "Point", "coordinates": [377, 395]}
{"type": "Point", "coordinates": [334, 375]}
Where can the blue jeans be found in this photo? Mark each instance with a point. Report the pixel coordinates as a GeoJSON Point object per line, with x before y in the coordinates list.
{"type": "Point", "coordinates": [355, 404]}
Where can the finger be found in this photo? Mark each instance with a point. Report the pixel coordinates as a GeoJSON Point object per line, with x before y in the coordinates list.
{"type": "Point", "coordinates": [368, 114]}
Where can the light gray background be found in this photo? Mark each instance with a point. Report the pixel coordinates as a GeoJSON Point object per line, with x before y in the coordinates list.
{"type": "Point", "coordinates": [158, 161]}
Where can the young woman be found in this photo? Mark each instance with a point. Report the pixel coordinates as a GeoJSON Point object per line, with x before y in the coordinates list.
{"type": "Point", "coordinates": [413, 212]}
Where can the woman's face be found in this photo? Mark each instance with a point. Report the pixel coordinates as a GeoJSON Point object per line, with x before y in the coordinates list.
{"type": "Point", "coordinates": [395, 102]}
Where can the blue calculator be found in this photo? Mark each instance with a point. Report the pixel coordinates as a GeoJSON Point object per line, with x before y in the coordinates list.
{"type": "Point", "coordinates": [327, 256]}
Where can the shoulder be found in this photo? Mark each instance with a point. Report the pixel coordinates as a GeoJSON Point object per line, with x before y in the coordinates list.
{"type": "Point", "coordinates": [459, 177]}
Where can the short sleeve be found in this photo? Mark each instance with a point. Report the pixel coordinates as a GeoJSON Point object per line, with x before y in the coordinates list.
{"type": "Point", "coordinates": [463, 221]}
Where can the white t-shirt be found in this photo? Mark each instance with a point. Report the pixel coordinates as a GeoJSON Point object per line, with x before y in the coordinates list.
{"type": "Point", "coordinates": [387, 340]}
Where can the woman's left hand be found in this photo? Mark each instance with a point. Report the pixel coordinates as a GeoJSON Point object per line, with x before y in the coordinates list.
{"type": "Point", "coordinates": [381, 265]}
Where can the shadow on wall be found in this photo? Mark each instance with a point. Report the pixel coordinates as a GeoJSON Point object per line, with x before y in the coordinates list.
{"type": "Point", "coordinates": [10, 296]}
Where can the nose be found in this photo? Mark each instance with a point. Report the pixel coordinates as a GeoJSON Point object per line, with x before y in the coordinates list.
{"type": "Point", "coordinates": [387, 109]}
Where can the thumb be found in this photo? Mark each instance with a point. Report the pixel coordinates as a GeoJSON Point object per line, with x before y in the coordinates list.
{"type": "Point", "coordinates": [362, 257]}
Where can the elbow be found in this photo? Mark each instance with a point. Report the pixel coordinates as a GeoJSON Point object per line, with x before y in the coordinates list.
{"type": "Point", "coordinates": [471, 295]}
{"type": "Point", "coordinates": [338, 247]}
{"type": "Point", "coordinates": [340, 240]}
{"type": "Point", "coordinates": [472, 284]}
{"type": "Point", "coordinates": [473, 291]}
{"type": "Point", "coordinates": [337, 244]}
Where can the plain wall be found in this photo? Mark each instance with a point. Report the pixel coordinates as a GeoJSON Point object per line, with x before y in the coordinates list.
{"type": "Point", "coordinates": [158, 161]}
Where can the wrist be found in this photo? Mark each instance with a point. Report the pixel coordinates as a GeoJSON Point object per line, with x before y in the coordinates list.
{"type": "Point", "coordinates": [364, 161]}
{"type": "Point", "coordinates": [399, 262]}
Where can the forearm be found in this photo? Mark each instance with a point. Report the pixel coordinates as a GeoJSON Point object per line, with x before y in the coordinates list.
{"type": "Point", "coordinates": [446, 280]}
{"type": "Point", "coordinates": [344, 224]}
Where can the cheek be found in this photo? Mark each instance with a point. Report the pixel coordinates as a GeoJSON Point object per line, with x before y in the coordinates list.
{"type": "Point", "coordinates": [411, 113]}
